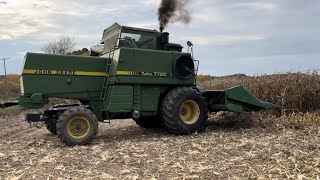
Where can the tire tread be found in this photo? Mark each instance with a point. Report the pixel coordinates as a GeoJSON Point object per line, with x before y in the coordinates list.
{"type": "Point", "coordinates": [171, 119]}
{"type": "Point", "coordinates": [67, 114]}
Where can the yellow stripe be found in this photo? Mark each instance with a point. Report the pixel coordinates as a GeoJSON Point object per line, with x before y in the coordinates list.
{"type": "Point", "coordinates": [124, 72]}
{"type": "Point", "coordinates": [29, 71]}
{"type": "Point", "coordinates": [80, 73]}
{"type": "Point", "coordinates": [88, 73]}
{"type": "Point", "coordinates": [55, 72]}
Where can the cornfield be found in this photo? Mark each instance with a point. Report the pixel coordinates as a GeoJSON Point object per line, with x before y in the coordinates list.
{"type": "Point", "coordinates": [296, 92]}
{"type": "Point", "coordinates": [262, 145]}
{"type": "Point", "coordinates": [11, 89]}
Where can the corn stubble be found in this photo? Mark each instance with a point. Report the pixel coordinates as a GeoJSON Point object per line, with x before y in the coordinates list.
{"type": "Point", "coordinates": [266, 145]}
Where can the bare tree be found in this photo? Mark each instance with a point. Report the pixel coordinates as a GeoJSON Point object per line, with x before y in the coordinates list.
{"type": "Point", "coordinates": [64, 45]}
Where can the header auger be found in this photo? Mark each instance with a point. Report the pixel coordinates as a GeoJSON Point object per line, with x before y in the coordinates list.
{"type": "Point", "coordinates": [134, 73]}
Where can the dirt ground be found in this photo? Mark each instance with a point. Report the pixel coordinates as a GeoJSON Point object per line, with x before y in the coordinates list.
{"type": "Point", "coordinates": [123, 150]}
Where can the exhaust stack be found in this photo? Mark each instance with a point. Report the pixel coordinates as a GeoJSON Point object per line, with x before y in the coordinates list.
{"type": "Point", "coordinates": [165, 38]}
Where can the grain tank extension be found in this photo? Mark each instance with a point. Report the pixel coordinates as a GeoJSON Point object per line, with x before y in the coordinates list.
{"type": "Point", "coordinates": [133, 73]}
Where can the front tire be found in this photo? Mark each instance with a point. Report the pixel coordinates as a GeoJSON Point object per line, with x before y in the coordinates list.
{"type": "Point", "coordinates": [77, 126]}
{"type": "Point", "coordinates": [184, 111]}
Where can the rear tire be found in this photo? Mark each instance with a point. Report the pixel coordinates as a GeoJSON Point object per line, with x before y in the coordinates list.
{"type": "Point", "coordinates": [77, 126]}
{"type": "Point", "coordinates": [184, 111]}
{"type": "Point", "coordinates": [148, 122]}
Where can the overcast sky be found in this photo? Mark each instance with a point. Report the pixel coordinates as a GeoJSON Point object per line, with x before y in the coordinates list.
{"type": "Point", "coordinates": [230, 36]}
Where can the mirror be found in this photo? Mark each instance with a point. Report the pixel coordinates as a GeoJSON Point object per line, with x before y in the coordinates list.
{"type": "Point", "coordinates": [189, 43]}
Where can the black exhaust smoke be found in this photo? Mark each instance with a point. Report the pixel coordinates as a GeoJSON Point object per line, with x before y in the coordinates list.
{"type": "Point", "coordinates": [173, 11]}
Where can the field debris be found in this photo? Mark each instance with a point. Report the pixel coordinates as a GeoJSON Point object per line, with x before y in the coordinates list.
{"type": "Point", "coordinates": [229, 148]}
{"type": "Point", "coordinates": [268, 145]}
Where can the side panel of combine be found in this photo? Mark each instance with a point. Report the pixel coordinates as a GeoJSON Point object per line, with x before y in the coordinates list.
{"type": "Point", "coordinates": [136, 66]}
{"type": "Point", "coordinates": [150, 99]}
{"type": "Point", "coordinates": [120, 98]}
{"type": "Point", "coordinates": [140, 66]}
{"type": "Point", "coordinates": [154, 67]}
{"type": "Point", "coordinates": [73, 77]}
{"type": "Point", "coordinates": [136, 99]}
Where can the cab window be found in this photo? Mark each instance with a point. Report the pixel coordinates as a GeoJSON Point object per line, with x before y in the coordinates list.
{"type": "Point", "coordinates": [142, 41]}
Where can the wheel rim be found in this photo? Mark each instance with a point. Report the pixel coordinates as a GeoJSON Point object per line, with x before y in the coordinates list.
{"type": "Point", "coordinates": [79, 127]}
{"type": "Point", "coordinates": [189, 112]}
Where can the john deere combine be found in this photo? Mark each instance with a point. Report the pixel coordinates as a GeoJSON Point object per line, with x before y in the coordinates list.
{"type": "Point", "coordinates": [137, 73]}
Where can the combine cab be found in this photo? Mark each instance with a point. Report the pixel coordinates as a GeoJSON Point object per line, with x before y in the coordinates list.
{"type": "Point", "coordinates": [134, 73]}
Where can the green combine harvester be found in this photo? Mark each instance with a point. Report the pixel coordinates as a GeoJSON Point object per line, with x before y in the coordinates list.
{"type": "Point", "coordinates": [134, 73]}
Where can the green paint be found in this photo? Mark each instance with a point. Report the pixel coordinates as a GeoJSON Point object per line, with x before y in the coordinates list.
{"type": "Point", "coordinates": [236, 99]}
{"type": "Point", "coordinates": [36, 101]}
{"type": "Point", "coordinates": [137, 75]}
{"type": "Point", "coordinates": [137, 101]}
{"type": "Point", "coordinates": [120, 98]}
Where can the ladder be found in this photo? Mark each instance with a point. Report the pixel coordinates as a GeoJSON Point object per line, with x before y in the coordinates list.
{"type": "Point", "coordinates": [105, 85]}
